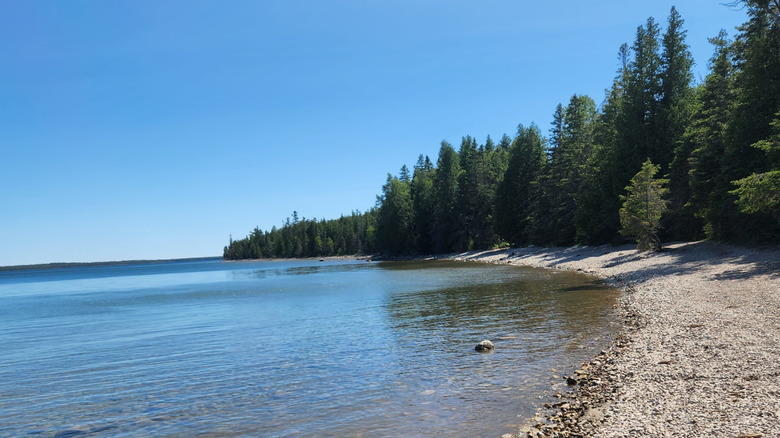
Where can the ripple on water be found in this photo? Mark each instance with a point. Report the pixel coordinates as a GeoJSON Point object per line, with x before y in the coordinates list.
{"type": "Point", "coordinates": [248, 349]}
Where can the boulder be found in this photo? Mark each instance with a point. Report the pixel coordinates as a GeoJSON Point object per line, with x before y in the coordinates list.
{"type": "Point", "coordinates": [485, 346]}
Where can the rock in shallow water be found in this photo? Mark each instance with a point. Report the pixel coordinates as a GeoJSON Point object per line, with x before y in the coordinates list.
{"type": "Point", "coordinates": [485, 346]}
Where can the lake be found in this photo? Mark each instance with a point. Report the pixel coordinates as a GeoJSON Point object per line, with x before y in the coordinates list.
{"type": "Point", "coordinates": [302, 348]}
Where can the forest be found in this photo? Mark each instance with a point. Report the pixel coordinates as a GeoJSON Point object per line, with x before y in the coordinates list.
{"type": "Point", "coordinates": [716, 144]}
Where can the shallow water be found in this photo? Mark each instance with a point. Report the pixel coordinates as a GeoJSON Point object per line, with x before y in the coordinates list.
{"type": "Point", "coordinates": [293, 348]}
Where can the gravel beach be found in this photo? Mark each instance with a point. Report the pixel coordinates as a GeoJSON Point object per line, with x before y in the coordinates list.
{"type": "Point", "coordinates": [700, 352]}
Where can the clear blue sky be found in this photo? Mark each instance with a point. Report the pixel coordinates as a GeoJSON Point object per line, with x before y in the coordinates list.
{"type": "Point", "coordinates": [156, 129]}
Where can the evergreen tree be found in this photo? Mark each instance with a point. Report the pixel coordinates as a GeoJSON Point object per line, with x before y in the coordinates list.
{"type": "Point", "coordinates": [468, 204]}
{"type": "Point", "coordinates": [307, 238]}
{"type": "Point", "coordinates": [519, 190]}
{"type": "Point", "coordinates": [643, 206]}
{"type": "Point", "coordinates": [445, 185]}
{"type": "Point", "coordinates": [395, 220]}
{"type": "Point", "coordinates": [597, 218]}
{"type": "Point", "coordinates": [706, 137]}
{"type": "Point", "coordinates": [757, 86]}
{"type": "Point", "coordinates": [424, 203]}
{"type": "Point", "coordinates": [718, 143]}
{"type": "Point", "coordinates": [563, 182]}
{"type": "Point", "coordinates": [639, 123]}
{"type": "Point", "coordinates": [676, 108]}
{"type": "Point", "coordinates": [760, 192]}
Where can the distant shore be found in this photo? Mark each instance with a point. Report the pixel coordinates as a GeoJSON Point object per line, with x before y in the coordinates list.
{"type": "Point", "coordinates": [56, 265]}
{"type": "Point", "coordinates": [699, 354]}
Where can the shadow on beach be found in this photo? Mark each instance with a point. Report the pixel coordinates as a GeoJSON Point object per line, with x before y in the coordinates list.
{"type": "Point", "coordinates": [718, 261]}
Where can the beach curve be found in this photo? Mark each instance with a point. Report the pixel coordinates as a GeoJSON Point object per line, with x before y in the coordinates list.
{"type": "Point", "coordinates": [699, 354]}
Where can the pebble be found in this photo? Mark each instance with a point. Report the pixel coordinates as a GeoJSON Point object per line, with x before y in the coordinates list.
{"type": "Point", "coordinates": [698, 353]}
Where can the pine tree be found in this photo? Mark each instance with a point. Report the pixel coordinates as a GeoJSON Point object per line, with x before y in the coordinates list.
{"type": "Point", "coordinates": [706, 136]}
{"type": "Point", "coordinates": [639, 116]}
{"type": "Point", "coordinates": [643, 206]}
{"type": "Point", "coordinates": [468, 194]}
{"type": "Point", "coordinates": [676, 108]}
{"type": "Point", "coordinates": [519, 190]}
{"type": "Point", "coordinates": [757, 90]}
{"type": "Point", "coordinates": [395, 221]}
{"type": "Point", "coordinates": [423, 201]}
{"type": "Point", "coordinates": [572, 140]}
{"type": "Point", "coordinates": [597, 219]}
{"type": "Point", "coordinates": [676, 101]}
{"type": "Point", "coordinates": [760, 192]}
{"type": "Point", "coordinates": [445, 185]}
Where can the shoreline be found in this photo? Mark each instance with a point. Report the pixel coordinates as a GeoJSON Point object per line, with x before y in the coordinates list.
{"type": "Point", "coordinates": [294, 259]}
{"type": "Point", "coordinates": [61, 265]}
{"type": "Point", "coordinates": [698, 354]}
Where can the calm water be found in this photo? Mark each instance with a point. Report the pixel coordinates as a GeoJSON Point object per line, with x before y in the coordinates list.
{"type": "Point", "coordinates": [289, 349]}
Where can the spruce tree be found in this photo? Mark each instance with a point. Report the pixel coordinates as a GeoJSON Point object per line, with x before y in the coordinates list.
{"type": "Point", "coordinates": [706, 136]}
{"type": "Point", "coordinates": [757, 91]}
{"type": "Point", "coordinates": [519, 190]}
{"type": "Point", "coordinates": [597, 219]}
{"type": "Point", "coordinates": [572, 139]}
{"type": "Point", "coordinates": [395, 221]}
{"type": "Point", "coordinates": [639, 117]}
{"type": "Point", "coordinates": [468, 203]}
{"type": "Point", "coordinates": [423, 201]}
{"type": "Point", "coordinates": [643, 206]}
{"type": "Point", "coordinates": [445, 185]}
{"type": "Point", "coordinates": [760, 192]}
{"type": "Point", "coordinates": [676, 108]}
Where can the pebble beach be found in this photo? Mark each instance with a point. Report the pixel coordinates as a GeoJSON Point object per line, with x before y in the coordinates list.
{"type": "Point", "coordinates": [699, 353]}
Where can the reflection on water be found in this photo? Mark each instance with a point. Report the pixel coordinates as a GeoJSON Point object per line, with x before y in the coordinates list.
{"type": "Point", "coordinates": [538, 320]}
{"type": "Point", "coordinates": [294, 348]}
{"type": "Point", "coordinates": [299, 270]}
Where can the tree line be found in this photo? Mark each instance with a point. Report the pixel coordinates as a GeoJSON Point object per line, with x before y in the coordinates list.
{"type": "Point", "coordinates": [353, 234]}
{"type": "Point", "coordinates": [716, 143]}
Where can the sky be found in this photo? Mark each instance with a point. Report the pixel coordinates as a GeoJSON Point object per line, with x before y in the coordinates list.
{"type": "Point", "coordinates": [156, 130]}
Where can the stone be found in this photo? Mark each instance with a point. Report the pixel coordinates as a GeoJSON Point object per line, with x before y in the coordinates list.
{"type": "Point", "coordinates": [485, 346]}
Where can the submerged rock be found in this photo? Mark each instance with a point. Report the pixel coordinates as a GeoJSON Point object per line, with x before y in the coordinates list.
{"type": "Point", "coordinates": [485, 346]}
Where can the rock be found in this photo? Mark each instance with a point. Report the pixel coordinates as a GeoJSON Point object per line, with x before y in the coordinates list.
{"type": "Point", "coordinates": [485, 346]}
{"type": "Point", "coordinates": [571, 381]}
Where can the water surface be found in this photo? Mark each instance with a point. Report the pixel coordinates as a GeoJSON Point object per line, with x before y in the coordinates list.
{"type": "Point", "coordinates": [289, 349]}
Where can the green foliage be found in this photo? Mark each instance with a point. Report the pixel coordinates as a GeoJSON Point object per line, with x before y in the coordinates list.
{"type": "Point", "coordinates": [759, 192]}
{"type": "Point", "coordinates": [706, 136]}
{"type": "Point", "coordinates": [596, 219]}
{"type": "Point", "coordinates": [643, 206]}
{"type": "Point", "coordinates": [717, 142]}
{"type": "Point", "coordinates": [519, 191]}
{"type": "Point", "coordinates": [423, 202]}
{"type": "Point", "coordinates": [395, 222]}
{"type": "Point", "coordinates": [445, 192]}
{"type": "Point", "coordinates": [676, 109]}
{"type": "Point", "coordinates": [308, 238]}
{"type": "Point", "coordinates": [572, 141]}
